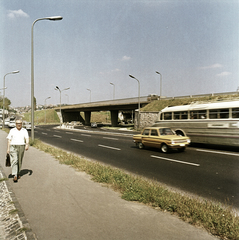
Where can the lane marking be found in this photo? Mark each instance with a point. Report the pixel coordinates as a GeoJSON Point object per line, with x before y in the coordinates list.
{"type": "Point", "coordinates": [76, 140]}
{"type": "Point", "coordinates": [86, 135]}
{"type": "Point", "coordinates": [177, 161]}
{"type": "Point", "coordinates": [110, 138]}
{"type": "Point", "coordinates": [57, 136]}
{"type": "Point", "coordinates": [44, 133]}
{"type": "Point", "coordinates": [225, 153]}
{"type": "Point", "coordinates": [109, 147]}
{"type": "Point", "coordinates": [69, 133]}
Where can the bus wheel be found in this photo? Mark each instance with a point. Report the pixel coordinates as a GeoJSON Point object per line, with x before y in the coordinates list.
{"type": "Point", "coordinates": [181, 149]}
{"type": "Point", "coordinates": [140, 145]}
{"type": "Point", "coordinates": [164, 148]}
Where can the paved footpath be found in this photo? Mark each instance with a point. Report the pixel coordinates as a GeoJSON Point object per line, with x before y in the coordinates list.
{"type": "Point", "coordinates": [61, 203]}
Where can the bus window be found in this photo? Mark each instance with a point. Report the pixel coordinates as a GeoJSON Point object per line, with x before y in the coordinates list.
{"type": "Point", "coordinates": [224, 113]}
{"type": "Point", "coordinates": [219, 113]}
{"type": "Point", "coordinates": [180, 115]}
{"type": "Point", "coordinates": [235, 112]}
{"type": "Point", "coordinates": [168, 116]}
{"type": "Point", "coordinates": [201, 114]}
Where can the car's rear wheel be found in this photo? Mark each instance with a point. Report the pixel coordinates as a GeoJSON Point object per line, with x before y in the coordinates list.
{"type": "Point", "coordinates": [164, 148]}
{"type": "Point", "coordinates": [140, 145]}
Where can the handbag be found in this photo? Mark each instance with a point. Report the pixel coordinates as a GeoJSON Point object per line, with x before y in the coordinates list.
{"type": "Point", "coordinates": [8, 163]}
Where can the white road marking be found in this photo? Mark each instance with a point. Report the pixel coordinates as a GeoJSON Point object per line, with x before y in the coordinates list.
{"type": "Point", "coordinates": [86, 135]}
{"type": "Point", "coordinates": [76, 140]}
{"type": "Point", "coordinates": [69, 133]}
{"type": "Point", "coordinates": [110, 138]}
{"type": "Point", "coordinates": [57, 136]}
{"type": "Point", "coordinates": [109, 147]}
{"type": "Point", "coordinates": [225, 153]}
{"type": "Point", "coordinates": [177, 161]}
{"type": "Point", "coordinates": [44, 133]}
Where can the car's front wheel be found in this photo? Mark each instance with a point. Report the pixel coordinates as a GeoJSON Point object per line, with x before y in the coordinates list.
{"type": "Point", "coordinates": [164, 148]}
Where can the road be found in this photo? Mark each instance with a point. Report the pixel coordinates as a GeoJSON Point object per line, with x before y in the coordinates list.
{"type": "Point", "coordinates": [208, 173]}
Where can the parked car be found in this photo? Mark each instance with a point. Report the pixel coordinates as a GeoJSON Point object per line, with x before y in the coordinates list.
{"type": "Point", "coordinates": [94, 125]}
{"type": "Point", "coordinates": [27, 125]}
{"type": "Point", "coordinates": [161, 137]}
{"type": "Point", "coordinates": [12, 124]}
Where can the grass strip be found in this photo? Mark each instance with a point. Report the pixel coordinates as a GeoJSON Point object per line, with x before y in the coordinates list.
{"type": "Point", "coordinates": [215, 218]}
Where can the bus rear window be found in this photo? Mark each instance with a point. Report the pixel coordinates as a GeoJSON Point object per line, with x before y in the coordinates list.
{"type": "Point", "coordinates": [219, 113]}
{"type": "Point", "coordinates": [168, 116]}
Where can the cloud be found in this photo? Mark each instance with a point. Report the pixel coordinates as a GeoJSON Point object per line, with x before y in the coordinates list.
{"type": "Point", "coordinates": [109, 72]}
{"type": "Point", "coordinates": [222, 74]}
{"type": "Point", "coordinates": [125, 58]}
{"type": "Point", "coordinates": [216, 65]}
{"type": "Point", "coordinates": [16, 14]}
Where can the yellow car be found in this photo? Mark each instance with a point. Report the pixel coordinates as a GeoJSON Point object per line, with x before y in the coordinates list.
{"type": "Point", "coordinates": [161, 137]}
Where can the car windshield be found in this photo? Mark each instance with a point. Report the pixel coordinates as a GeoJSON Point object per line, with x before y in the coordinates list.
{"type": "Point", "coordinates": [166, 131]}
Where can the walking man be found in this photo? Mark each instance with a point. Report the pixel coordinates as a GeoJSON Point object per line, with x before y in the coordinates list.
{"type": "Point", "coordinates": [18, 142]}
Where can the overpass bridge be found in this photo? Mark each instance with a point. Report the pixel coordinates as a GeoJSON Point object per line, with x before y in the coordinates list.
{"type": "Point", "coordinates": [73, 112]}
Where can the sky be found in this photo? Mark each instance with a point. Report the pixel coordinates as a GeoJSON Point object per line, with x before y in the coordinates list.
{"type": "Point", "coordinates": [192, 43]}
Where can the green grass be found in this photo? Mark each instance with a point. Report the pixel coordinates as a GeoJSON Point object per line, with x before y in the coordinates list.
{"type": "Point", "coordinates": [157, 105]}
{"type": "Point", "coordinates": [39, 117]}
{"type": "Point", "coordinates": [216, 218]}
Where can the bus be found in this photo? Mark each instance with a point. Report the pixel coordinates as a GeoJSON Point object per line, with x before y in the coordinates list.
{"type": "Point", "coordinates": [207, 123]}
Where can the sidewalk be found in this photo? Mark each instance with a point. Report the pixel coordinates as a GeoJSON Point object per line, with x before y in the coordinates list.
{"type": "Point", "coordinates": [61, 203]}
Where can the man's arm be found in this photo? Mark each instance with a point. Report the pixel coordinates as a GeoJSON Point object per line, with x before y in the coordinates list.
{"type": "Point", "coordinates": [8, 146]}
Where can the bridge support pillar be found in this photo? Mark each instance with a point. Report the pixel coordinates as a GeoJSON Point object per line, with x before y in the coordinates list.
{"type": "Point", "coordinates": [114, 118]}
{"type": "Point", "coordinates": [87, 118]}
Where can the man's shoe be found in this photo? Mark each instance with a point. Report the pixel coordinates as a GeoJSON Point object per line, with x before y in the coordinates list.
{"type": "Point", "coordinates": [18, 176]}
{"type": "Point", "coordinates": [15, 179]}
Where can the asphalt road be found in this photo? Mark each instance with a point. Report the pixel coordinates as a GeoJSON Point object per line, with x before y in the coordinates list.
{"type": "Point", "coordinates": [208, 173]}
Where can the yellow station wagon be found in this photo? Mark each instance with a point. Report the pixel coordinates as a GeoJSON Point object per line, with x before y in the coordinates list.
{"type": "Point", "coordinates": [161, 137]}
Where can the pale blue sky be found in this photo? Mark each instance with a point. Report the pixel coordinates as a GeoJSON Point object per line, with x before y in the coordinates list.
{"type": "Point", "coordinates": [192, 43]}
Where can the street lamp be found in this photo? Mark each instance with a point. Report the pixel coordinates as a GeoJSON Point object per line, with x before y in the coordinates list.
{"type": "Point", "coordinates": [113, 90]}
{"type": "Point", "coordinates": [90, 93]}
{"type": "Point", "coordinates": [138, 97]}
{"type": "Point", "coordinates": [57, 88]}
{"type": "Point", "coordinates": [3, 102]}
{"type": "Point", "coordinates": [160, 83]}
{"type": "Point", "coordinates": [54, 18]}
{"type": "Point", "coordinates": [45, 108]}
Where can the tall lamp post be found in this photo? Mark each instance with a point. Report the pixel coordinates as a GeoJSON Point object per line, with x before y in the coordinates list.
{"type": "Point", "coordinates": [138, 97]}
{"type": "Point", "coordinates": [113, 90]}
{"type": "Point", "coordinates": [90, 93]}
{"type": "Point", "coordinates": [3, 103]}
{"type": "Point", "coordinates": [45, 108]}
{"type": "Point", "coordinates": [160, 83]}
{"type": "Point", "coordinates": [54, 18]}
{"type": "Point", "coordinates": [57, 88]}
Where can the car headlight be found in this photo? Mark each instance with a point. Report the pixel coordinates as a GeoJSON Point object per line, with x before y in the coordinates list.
{"type": "Point", "coordinates": [188, 140]}
{"type": "Point", "coordinates": [172, 142]}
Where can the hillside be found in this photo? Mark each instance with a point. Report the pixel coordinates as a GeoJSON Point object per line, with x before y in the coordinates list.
{"type": "Point", "coordinates": [157, 105]}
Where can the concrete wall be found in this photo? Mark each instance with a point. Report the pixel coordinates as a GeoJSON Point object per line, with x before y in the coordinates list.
{"type": "Point", "coordinates": [146, 119]}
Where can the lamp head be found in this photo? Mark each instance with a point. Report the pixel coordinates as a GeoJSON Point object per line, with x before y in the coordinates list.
{"type": "Point", "coordinates": [55, 18]}
{"type": "Point", "coordinates": [132, 76]}
{"type": "Point", "coordinates": [17, 71]}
